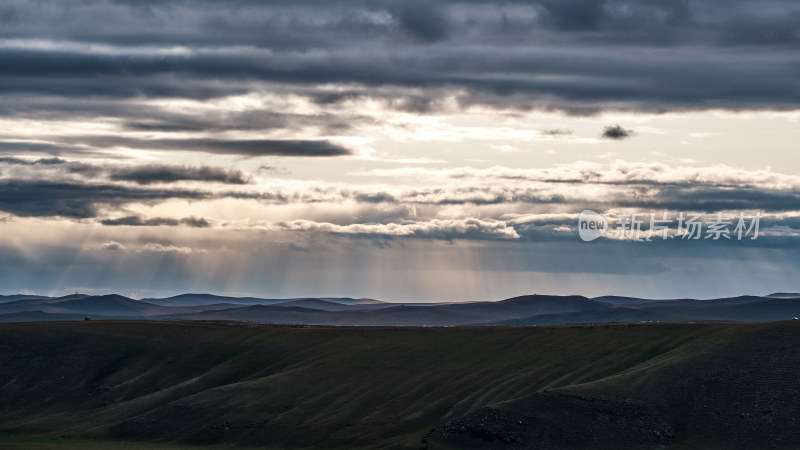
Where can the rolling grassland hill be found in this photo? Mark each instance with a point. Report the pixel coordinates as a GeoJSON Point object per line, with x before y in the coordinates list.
{"type": "Point", "coordinates": [110, 383]}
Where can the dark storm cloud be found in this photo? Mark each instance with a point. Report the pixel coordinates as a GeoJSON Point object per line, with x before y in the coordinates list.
{"type": "Point", "coordinates": [156, 120]}
{"type": "Point", "coordinates": [574, 15]}
{"type": "Point", "coordinates": [711, 198]}
{"type": "Point", "coordinates": [291, 24]}
{"type": "Point", "coordinates": [140, 174]}
{"type": "Point", "coordinates": [580, 56]}
{"type": "Point", "coordinates": [23, 146]}
{"type": "Point", "coordinates": [152, 118]}
{"type": "Point", "coordinates": [244, 147]}
{"type": "Point", "coordinates": [138, 221]}
{"type": "Point", "coordinates": [74, 200]}
{"type": "Point", "coordinates": [152, 173]}
{"type": "Point", "coordinates": [424, 21]}
{"type": "Point", "coordinates": [568, 79]}
{"type": "Point", "coordinates": [250, 147]}
{"type": "Point", "coordinates": [128, 87]}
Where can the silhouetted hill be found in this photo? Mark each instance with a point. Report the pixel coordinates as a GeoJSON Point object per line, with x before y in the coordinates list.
{"type": "Point", "coordinates": [75, 296]}
{"type": "Point", "coordinates": [784, 295]}
{"type": "Point", "coordinates": [16, 297]}
{"type": "Point", "coordinates": [210, 299]}
{"type": "Point", "coordinates": [402, 315]}
{"type": "Point", "coordinates": [392, 316]}
{"type": "Point", "coordinates": [103, 305]}
{"type": "Point", "coordinates": [619, 300]}
{"type": "Point", "coordinates": [206, 299]}
{"type": "Point", "coordinates": [353, 301]}
{"type": "Point", "coordinates": [327, 305]}
{"type": "Point", "coordinates": [739, 309]}
{"type": "Point", "coordinates": [522, 310]}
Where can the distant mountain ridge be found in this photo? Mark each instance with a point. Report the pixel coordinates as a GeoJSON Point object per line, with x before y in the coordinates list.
{"type": "Point", "coordinates": [208, 299]}
{"type": "Point", "coordinates": [111, 305]}
{"type": "Point", "coordinates": [784, 295]}
{"type": "Point", "coordinates": [516, 311]}
{"type": "Point", "coordinates": [15, 297]}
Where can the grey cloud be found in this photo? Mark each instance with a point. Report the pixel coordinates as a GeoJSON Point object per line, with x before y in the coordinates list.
{"type": "Point", "coordinates": [711, 199]}
{"type": "Point", "coordinates": [789, 222]}
{"type": "Point", "coordinates": [113, 246]}
{"type": "Point", "coordinates": [629, 185]}
{"type": "Point", "coordinates": [251, 147]}
{"type": "Point", "coordinates": [28, 162]}
{"type": "Point", "coordinates": [77, 200]}
{"type": "Point", "coordinates": [167, 248]}
{"type": "Point", "coordinates": [634, 191]}
{"type": "Point", "coordinates": [426, 22]}
{"type": "Point", "coordinates": [574, 15]}
{"type": "Point", "coordinates": [562, 231]}
{"type": "Point", "coordinates": [557, 132]}
{"type": "Point", "coordinates": [138, 117]}
{"type": "Point", "coordinates": [141, 174]}
{"type": "Point", "coordinates": [151, 173]}
{"type": "Point", "coordinates": [48, 165]}
{"type": "Point", "coordinates": [139, 221]}
{"type": "Point", "coordinates": [74, 200]}
{"type": "Point", "coordinates": [196, 222]}
{"type": "Point", "coordinates": [155, 120]}
{"type": "Point", "coordinates": [546, 230]}
{"type": "Point", "coordinates": [291, 25]}
{"type": "Point", "coordinates": [616, 132]}
{"type": "Point", "coordinates": [25, 146]}
{"type": "Point", "coordinates": [161, 126]}
{"type": "Point", "coordinates": [469, 228]}
{"type": "Point", "coordinates": [580, 56]}
{"type": "Point", "coordinates": [577, 81]}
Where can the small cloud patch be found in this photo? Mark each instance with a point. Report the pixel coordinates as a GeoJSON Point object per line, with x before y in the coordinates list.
{"type": "Point", "coordinates": [113, 246]}
{"type": "Point", "coordinates": [556, 132]}
{"type": "Point", "coordinates": [161, 248]}
{"type": "Point", "coordinates": [138, 221]}
{"type": "Point", "coordinates": [616, 132]}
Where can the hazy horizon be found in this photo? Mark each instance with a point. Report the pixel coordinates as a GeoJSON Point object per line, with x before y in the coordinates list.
{"type": "Point", "coordinates": [399, 301]}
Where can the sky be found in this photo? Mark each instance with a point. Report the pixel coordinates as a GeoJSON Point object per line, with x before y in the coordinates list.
{"type": "Point", "coordinates": [399, 150]}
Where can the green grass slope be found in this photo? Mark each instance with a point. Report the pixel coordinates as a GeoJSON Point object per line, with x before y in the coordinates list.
{"type": "Point", "coordinates": [278, 387]}
{"type": "Point", "coordinates": [738, 388]}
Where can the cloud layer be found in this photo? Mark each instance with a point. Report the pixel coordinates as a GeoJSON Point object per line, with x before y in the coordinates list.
{"type": "Point", "coordinates": [222, 143]}
{"type": "Point", "coordinates": [574, 55]}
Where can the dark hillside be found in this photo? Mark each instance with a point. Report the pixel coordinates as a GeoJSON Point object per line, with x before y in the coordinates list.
{"type": "Point", "coordinates": [206, 383]}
